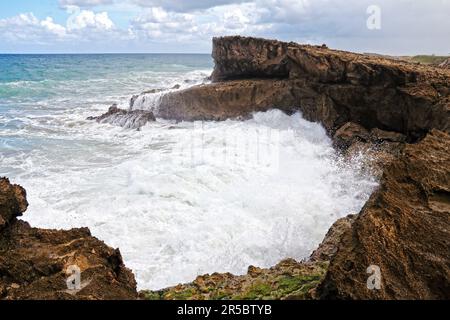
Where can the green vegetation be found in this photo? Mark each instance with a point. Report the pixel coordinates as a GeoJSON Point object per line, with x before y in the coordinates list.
{"type": "Point", "coordinates": [429, 59]}
{"type": "Point", "coordinates": [293, 281]}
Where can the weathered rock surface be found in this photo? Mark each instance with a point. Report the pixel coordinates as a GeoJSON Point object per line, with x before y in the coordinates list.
{"type": "Point", "coordinates": [404, 229]}
{"type": "Point", "coordinates": [233, 99]}
{"type": "Point", "coordinates": [328, 86]}
{"type": "Point", "coordinates": [35, 263]}
{"type": "Point", "coordinates": [380, 106]}
{"type": "Point", "coordinates": [133, 119]}
{"type": "Point", "coordinates": [445, 64]}
{"type": "Point", "coordinates": [329, 246]}
{"type": "Point", "coordinates": [287, 280]}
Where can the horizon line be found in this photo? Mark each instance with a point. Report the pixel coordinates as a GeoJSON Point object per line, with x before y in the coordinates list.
{"type": "Point", "coordinates": [92, 53]}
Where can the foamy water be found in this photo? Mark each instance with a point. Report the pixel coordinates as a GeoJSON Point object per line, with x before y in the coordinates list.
{"type": "Point", "coordinates": [178, 199]}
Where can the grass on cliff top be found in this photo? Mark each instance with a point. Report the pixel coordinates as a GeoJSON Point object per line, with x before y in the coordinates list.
{"type": "Point", "coordinates": [429, 59]}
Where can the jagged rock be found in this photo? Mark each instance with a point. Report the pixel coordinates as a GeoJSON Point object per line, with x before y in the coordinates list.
{"type": "Point", "coordinates": [404, 229]}
{"type": "Point", "coordinates": [35, 263]}
{"type": "Point", "coordinates": [327, 86]}
{"type": "Point", "coordinates": [349, 134]}
{"type": "Point", "coordinates": [287, 280]}
{"type": "Point", "coordinates": [227, 100]}
{"type": "Point", "coordinates": [329, 246]}
{"type": "Point", "coordinates": [134, 119]}
{"type": "Point", "coordinates": [13, 202]}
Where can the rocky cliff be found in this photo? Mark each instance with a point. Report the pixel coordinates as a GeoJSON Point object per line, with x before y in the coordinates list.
{"type": "Point", "coordinates": [396, 110]}
{"type": "Point", "coordinates": [36, 263]}
{"type": "Point", "coordinates": [404, 229]}
{"type": "Point", "coordinates": [329, 86]}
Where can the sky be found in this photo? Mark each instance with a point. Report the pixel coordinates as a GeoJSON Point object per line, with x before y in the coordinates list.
{"type": "Point", "coordinates": [396, 27]}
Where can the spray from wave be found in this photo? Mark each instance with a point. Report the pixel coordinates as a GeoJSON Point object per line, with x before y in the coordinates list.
{"type": "Point", "coordinates": [178, 199]}
{"type": "Point", "coordinates": [175, 217]}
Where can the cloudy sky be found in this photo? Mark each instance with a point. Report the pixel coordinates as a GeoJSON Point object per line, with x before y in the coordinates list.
{"type": "Point", "coordinates": [80, 26]}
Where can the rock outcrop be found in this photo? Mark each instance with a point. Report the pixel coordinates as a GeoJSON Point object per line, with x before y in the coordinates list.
{"type": "Point", "coordinates": [36, 263]}
{"type": "Point", "coordinates": [133, 119]}
{"type": "Point", "coordinates": [328, 86]}
{"type": "Point", "coordinates": [445, 64]}
{"type": "Point", "coordinates": [287, 280]}
{"type": "Point", "coordinates": [398, 112]}
{"type": "Point", "coordinates": [404, 229]}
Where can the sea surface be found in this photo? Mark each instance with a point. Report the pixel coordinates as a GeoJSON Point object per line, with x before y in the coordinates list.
{"type": "Point", "coordinates": [178, 199]}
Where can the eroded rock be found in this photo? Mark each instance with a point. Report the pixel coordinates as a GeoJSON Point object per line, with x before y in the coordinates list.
{"type": "Point", "coordinates": [404, 229]}
{"type": "Point", "coordinates": [36, 263]}
{"type": "Point", "coordinates": [287, 280]}
{"type": "Point", "coordinates": [133, 119]}
{"type": "Point", "coordinates": [327, 86]}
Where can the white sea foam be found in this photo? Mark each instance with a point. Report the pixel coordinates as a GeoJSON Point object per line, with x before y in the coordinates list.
{"type": "Point", "coordinates": [174, 219]}
{"type": "Point", "coordinates": [175, 208]}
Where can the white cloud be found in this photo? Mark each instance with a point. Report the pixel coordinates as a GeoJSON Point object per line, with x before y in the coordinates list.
{"type": "Point", "coordinates": [88, 19]}
{"type": "Point", "coordinates": [185, 5]}
{"type": "Point", "coordinates": [81, 25]}
{"type": "Point", "coordinates": [26, 26]}
{"type": "Point", "coordinates": [407, 25]}
{"type": "Point", "coordinates": [84, 3]}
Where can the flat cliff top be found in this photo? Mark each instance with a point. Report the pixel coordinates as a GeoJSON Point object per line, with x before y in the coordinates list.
{"type": "Point", "coordinates": [267, 52]}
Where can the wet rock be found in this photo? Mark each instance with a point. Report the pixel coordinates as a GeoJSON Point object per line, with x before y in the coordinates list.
{"type": "Point", "coordinates": [227, 100]}
{"type": "Point", "coordinates": [36, 263]}
{"type": "Point", "coordinates": [349, 134]}
{"type": "Point", "coordinates": [404, 229]}
{"type": "Point", "coordinates": [134, 119]}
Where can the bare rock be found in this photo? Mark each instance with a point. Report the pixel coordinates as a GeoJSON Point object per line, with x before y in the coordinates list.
{"type": "Point", "coordinates": [134, 119]}
{"type": "Point", "coordinates": [404, 229]}
{"type": "Point", "coordinates": [327, 86]}
{"type": "Point", "coordinates": [36, 263]}
{"type": "Point", "coordinates": [329, 246]}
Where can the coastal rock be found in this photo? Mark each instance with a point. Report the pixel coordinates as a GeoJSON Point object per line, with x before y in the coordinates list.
{"type": "Point", "coordinates": [36, 263]}
{"type": "Point", "coordinates": [232, 99]}
{"type": "Point", "coordinates": [404, 229]}
{"type": "Point", "coordinates": [134, 119]}
{"type": "Point", "coordinates": [287, 280]}
{"type": "Point", "coordinates": [327, 86]}
{"type": "Point", "coordinates": [329, 246]}
{"type": "Point", "coordinates": [445, 64]}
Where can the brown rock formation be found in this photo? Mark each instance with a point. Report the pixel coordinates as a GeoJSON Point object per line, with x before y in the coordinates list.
{"type": "Point", "coordinates": [133, 119]}
{"type": "Point", "coordinates": [287, 280]}
{"type": "Point", "coordinates": [233, 99]}
{"type": "Point", "coordinates": [445, 64]}
{"type": "Point", "coordinates": [366, 103]}
{"type": "Point", "coordinates": [332, 87]}
{"type": "Point", "coordinates": [35, 263]}
{"type": "Point", "coordinates": [404, 229]}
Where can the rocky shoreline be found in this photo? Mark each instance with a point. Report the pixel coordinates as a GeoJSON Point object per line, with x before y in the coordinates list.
{"type": "Point", "coordinates": [397, 111]}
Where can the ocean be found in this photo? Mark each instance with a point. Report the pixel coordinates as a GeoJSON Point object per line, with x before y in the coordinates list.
{"type": "Point", "coordinates": [178, 199]}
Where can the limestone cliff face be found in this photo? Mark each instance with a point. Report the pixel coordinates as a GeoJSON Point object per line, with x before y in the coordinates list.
{"type": "Point", "coordinates": [35, 263]}
{"type": "Point", "coordinates": [329, 86]}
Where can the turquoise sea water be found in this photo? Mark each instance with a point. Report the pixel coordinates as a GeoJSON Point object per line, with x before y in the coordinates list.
{"type": "Point", "coordinates": [173, 214]}
{"type": "Point", "coordinates": [38, 91]}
